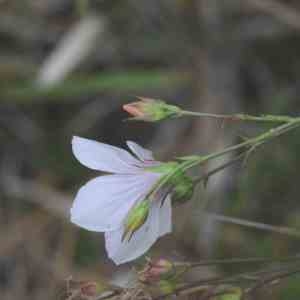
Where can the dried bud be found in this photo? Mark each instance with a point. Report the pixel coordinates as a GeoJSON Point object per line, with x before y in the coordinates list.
{"type": "Point", "coordinates": [88, 288]}
{"type": "Point", "coordinates": [156, 270]}
{"type": "Point", "coordinates": [151, 110]}
{"type": "Point", "coordinates": [136, 217]}
{"type": "Point", "coordinates": [83, 289]}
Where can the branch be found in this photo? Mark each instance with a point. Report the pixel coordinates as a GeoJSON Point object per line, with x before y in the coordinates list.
{"type": "Point", "coordinates": [281, 12]}
{"type": "Point", "coordinates": [230, 261]}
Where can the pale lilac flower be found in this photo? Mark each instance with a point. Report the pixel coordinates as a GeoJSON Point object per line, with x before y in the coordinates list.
{"type": "Point", "coordinates": [103, 203]}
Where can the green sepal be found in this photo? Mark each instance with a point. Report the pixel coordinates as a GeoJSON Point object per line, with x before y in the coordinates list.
{"type": "Point", "coordinates": [163, 168]}
{"type": "Point", "coordinates": [136, 217]}
{"type": "Point", "coordinates": [160, 110]}
{"type": "Point", "coordinates": [189, 157]}
{"type": "Point", "coordinates": [183, 189]}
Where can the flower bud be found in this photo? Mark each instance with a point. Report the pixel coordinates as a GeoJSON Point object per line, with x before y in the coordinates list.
{"type": "Point", "coordinates": [136, 217]}
{"type": "Point", "coordinates": [89, 288]}
{"type": "Point", "coordinates": [183, 189]}
{"type": "Point", "coordinates": [82, 288]}
{"type": "Point", "coordinates": [156, 270]}
{"type": "Point", "coordinates": [180, 185]}
{"type": "Point", "coordinates": [151, 110]}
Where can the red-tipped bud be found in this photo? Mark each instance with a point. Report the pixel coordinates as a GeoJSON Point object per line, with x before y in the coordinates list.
{"type": "Point", "coordinates": [135, 109]}
{"type": "Point", "coordinates": [83, 288]}
{"type": "Point", "coordinates": [156, 270]}
{"type": "Point", "coordinates": [151, 110]}
{"type": "Point", "coordinates": [88, 288]}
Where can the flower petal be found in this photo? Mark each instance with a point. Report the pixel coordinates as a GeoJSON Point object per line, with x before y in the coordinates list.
{"type": "Point", "coordinates": [121, 252]}
{"type": "Point", "coordinates": [142, 153]}
{"type": "Point", "coordinates": [103, 203]}
{"type": "Point", "coordinates": [104, 157]}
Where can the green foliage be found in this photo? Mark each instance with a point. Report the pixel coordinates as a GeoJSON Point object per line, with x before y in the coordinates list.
{"type": "Point", "coordinates": [76, 86]}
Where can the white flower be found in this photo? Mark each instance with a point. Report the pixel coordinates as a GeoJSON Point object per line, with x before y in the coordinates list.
{"type": "Point", "coordinates": [103, 203]}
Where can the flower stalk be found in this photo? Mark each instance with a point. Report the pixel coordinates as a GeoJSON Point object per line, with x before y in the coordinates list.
{"type": "Point", "coordinates": [196, 160]}
{"type": "Point", "coordinates": [239, 117]}
{"type": "Point", "coordinates": [230, 261]}
{"type": "Point", "coordinates": [250, 143]}
{"type": "Point", "coordinates": [155, 110]}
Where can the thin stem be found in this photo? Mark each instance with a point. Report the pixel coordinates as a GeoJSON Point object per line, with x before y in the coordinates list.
{"type": "Point", "coordinates": [235, 279]}
{"type": "Point", "coordinates": [208, 115]}
{"type": "Point", "coordinates": [199, 160]}
{"type": "Point", "coordinates": [218, 169]}
{"type": "Point", "coordinates": [272, 279]}
{"type": "Point", "coordinates": [262, 226]}
{"type": "Point", "coordinates": [240, 117]}
{"type": "Point", "coordinates": [237, 261]}
{"type": "Point", "coordinates": [252, 142]}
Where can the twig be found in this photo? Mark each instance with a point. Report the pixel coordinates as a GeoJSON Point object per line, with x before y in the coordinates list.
{"type": "Point", "coordinates": [262, 226]}
{"type": "Point", "coordinates": [272, 279]}
{"type": "Point", "coordinates": [258, 140]}
{"type": "Point", "coordinates": [240, 117]}
{"type": "Point", "coordinates": [214, 282]}
{"type": "Point", "coordinates": [219, 168]}
{"type": "Point", "coordinates": [198, 160]}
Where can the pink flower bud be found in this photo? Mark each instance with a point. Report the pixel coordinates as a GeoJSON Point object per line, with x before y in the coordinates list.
{"type": "Point", "coordinates": [151, 110]}
{"type": "Point", "coordinates": [83, 288]}
{"type": "Point", "coordinates": [88, 288]}
{"type": "Point", "coordinates": [156, 270]}
{"type": "Point", "coordinates": [135, 109]}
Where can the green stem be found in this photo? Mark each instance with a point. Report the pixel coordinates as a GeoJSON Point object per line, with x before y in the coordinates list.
{"type": "Point", "coordinates": [218, 169]}
{"type": "Point", "coordinates": [240, 117]}
{"type": "Point", "coordinates": [235, 279]}
{"type": "Point", "coordinates": [258, 225]}
{"type": "Point", "coordinates": [252, 142]}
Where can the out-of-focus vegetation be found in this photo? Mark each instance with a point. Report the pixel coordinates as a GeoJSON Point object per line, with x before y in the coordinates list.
{"type": "Point", "coordinates": [66, 67]}
{"type": "Point", "coordinates": [120, 82]}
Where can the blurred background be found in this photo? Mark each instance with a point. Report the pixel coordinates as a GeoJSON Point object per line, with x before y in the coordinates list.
{"type": "Point", "coordinates": [66, 68]}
